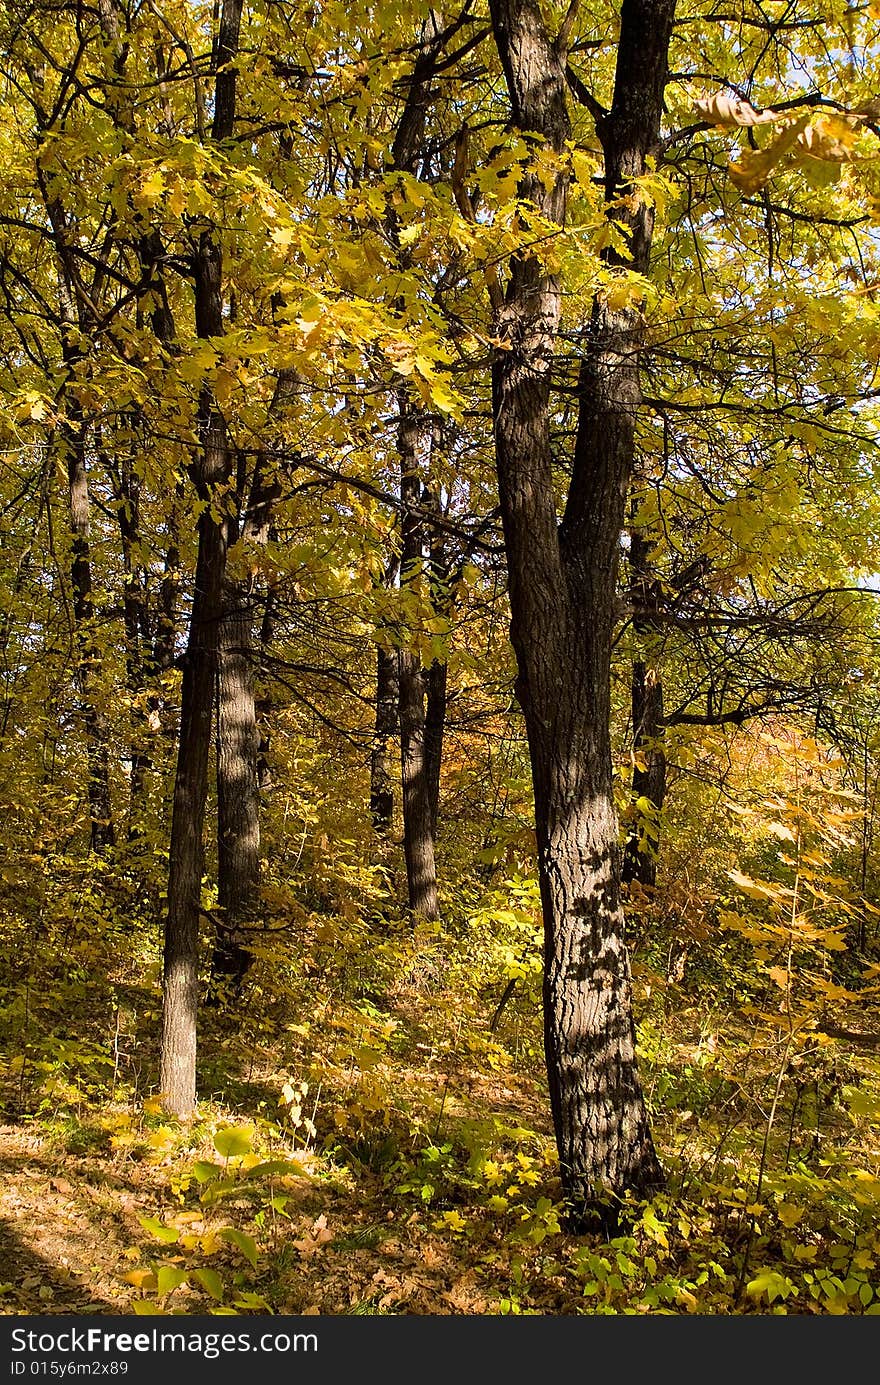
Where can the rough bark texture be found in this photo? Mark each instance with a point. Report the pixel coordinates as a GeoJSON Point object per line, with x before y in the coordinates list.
{"type": "Point", "coordinates": [437, 674]}
{"type": "Point", "coordinates": [238, 749]}
{"type": "Point", "coordinates": [436, 680]}
{"type": "Point", "coordinates": [210, 472]}
{"type": "Point", "coordinates": [88, 661]}
{"type": "Point", "coordinates": [563, 600]}
{"type": "Point", "coordinates": [381, 756]}
{"type": "Point", "coordinates": [418, 834]}
{"type": "Point", "coordinates": [74, 435]}
{"type": "Point", "coordinates": [648, 725]}
{"type": "Point", "coordinates": [419, 822]}
{"type": "Point", "coordinates": [238, 801]}
{"type": "Point", "coordinates": [177, 1073]}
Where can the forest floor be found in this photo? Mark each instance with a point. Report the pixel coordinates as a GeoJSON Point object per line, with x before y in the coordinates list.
{"type": "Point", "coordinates": [367, 1143]}
{"type": "Point", "coordinates": [333, 1238]}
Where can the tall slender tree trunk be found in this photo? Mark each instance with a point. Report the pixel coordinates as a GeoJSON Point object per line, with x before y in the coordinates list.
{"type": "Point", "coordinates": [238, 800]}
{"type": "Point", "coordinates": [418, 833]}
{"type": "Point", "coordinates": [238, 746]}
{"type": "Point", "coordinates": [136, 621]}
{"type": "Point", "coordinates": [177, 1073]}
{"type": "Point", "coordinates": [648, 727]}
{"type": "Point", "coordinates": [211, 472]}
{"type": "Point", "coordinates": [419, 820]}
{"type": "Point", "coordinates": [562, 582]}
{"type": "Point", "coordinates": [74, 437]}
{"type": "Point", "coordinates": [381, 758]}
{"type": "Point", "coordinates": [436, 680]}
{"type": "Point", "coordinates": [88, 659]}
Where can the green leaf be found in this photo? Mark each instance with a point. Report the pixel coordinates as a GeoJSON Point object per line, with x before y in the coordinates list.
{"type": "Point", "coordinates": [169, 1278]}
{"type": "Point", "coordinates": [166, 1234]}
{"type": "Point", "coordinates": [210, 1282]}
{"type": "Point", "coordinates": [274, 1167]}
{"type": "Point", "coordinates": [203, 1171]}
{"type": "Point", "coordinates": [145, 1308]}
{"type": "Point", "coordinates": [246, 1244]}
{"type": "Point", "coordinates": [232, 1141]}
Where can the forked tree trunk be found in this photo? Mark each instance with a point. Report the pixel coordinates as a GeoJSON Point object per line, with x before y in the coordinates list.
{"type": "Point", "coordinates": [562, 583]}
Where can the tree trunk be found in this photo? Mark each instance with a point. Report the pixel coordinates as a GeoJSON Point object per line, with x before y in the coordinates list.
{"type": "Point", "coordinates": [211, 471]}
{"type": "Point", "coordinates": [648, 726]}
{"type": "Point", "coordinates": [135, 616]}
{"type": "Point", "coordinates": [238, 801]}
{"type": "Point", "coordinates": [88, 663]}
{"type": "Point", "coordinates": [436, 679]}
{"type": "Point", "coordinates": [381, 773]}
{"type": "Point", "coordinates": [437, 674]}
{"type": "Point", "coordinates": [238, 748]}
{"type": "Point", "coordinates": [563, 598]}
{"type": "Point", "coordinates": [177, 1075]}
{"type": "Point", "coordinates": [418, 835]}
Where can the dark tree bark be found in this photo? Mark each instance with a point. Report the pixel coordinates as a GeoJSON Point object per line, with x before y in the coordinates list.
{"type": "Point", "coordinates": [414, 430]}
{"type": "Point", "coordinates": [648, 726]}
{"type": "Point", "coordinates": [73, 432]}
{"type": "Point", "coordinates": [649, 773]}
{"type": "Point", "coordinates": [238, 801]}
{"type": "Point", "coordinates": [436, 680]}
{"type": "Point", "coordinates": [210, 473]}
{"type": "Point", "coordinates": [381, 756]}
{"type": "Point", "coordinates": [88, 659]}
{"type": "Point", "coordinates": [136, 620]}
{"type": "Point", "coordinates": [437, 674]}
{"type": "Point", "coordinates": [418, 833]}
{"type": "Point", "coordinates": [238, 748]}
{"type": "Point", "coordinates": [562, 581]}
{"type": "Point", "coordinates": [177, 1073]}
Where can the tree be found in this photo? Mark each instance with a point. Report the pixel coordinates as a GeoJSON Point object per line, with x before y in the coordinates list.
{"type": "Point", "coordinates": [211, 469]}
{"type": "Point", "coordinates": [563, 593]}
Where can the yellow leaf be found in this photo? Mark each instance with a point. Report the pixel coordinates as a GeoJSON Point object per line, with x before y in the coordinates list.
{"type": "Point", "coordinates": [409, 235]}
{"type": "Point", "coordinates": [161, 1138]}
{"type": "Point", "coordinates": [722, 109]}
{"type": "Point", "coordinates": [788, 1214]}
{"type": "Point", "coordinates": [753, 888]}
{"type": "Point", "coordinates": [141, 1279]}
{"type": "Point", "coordinates": [367, 1058]}
{"type": "Point", "coordinates": [830, 137]}
{"type": "Point", "coordinates": [756, 165]}
{"type": "Point", "coordinates": [177, 199]}
{"type": "Point", "coordinates": [150, 190]}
